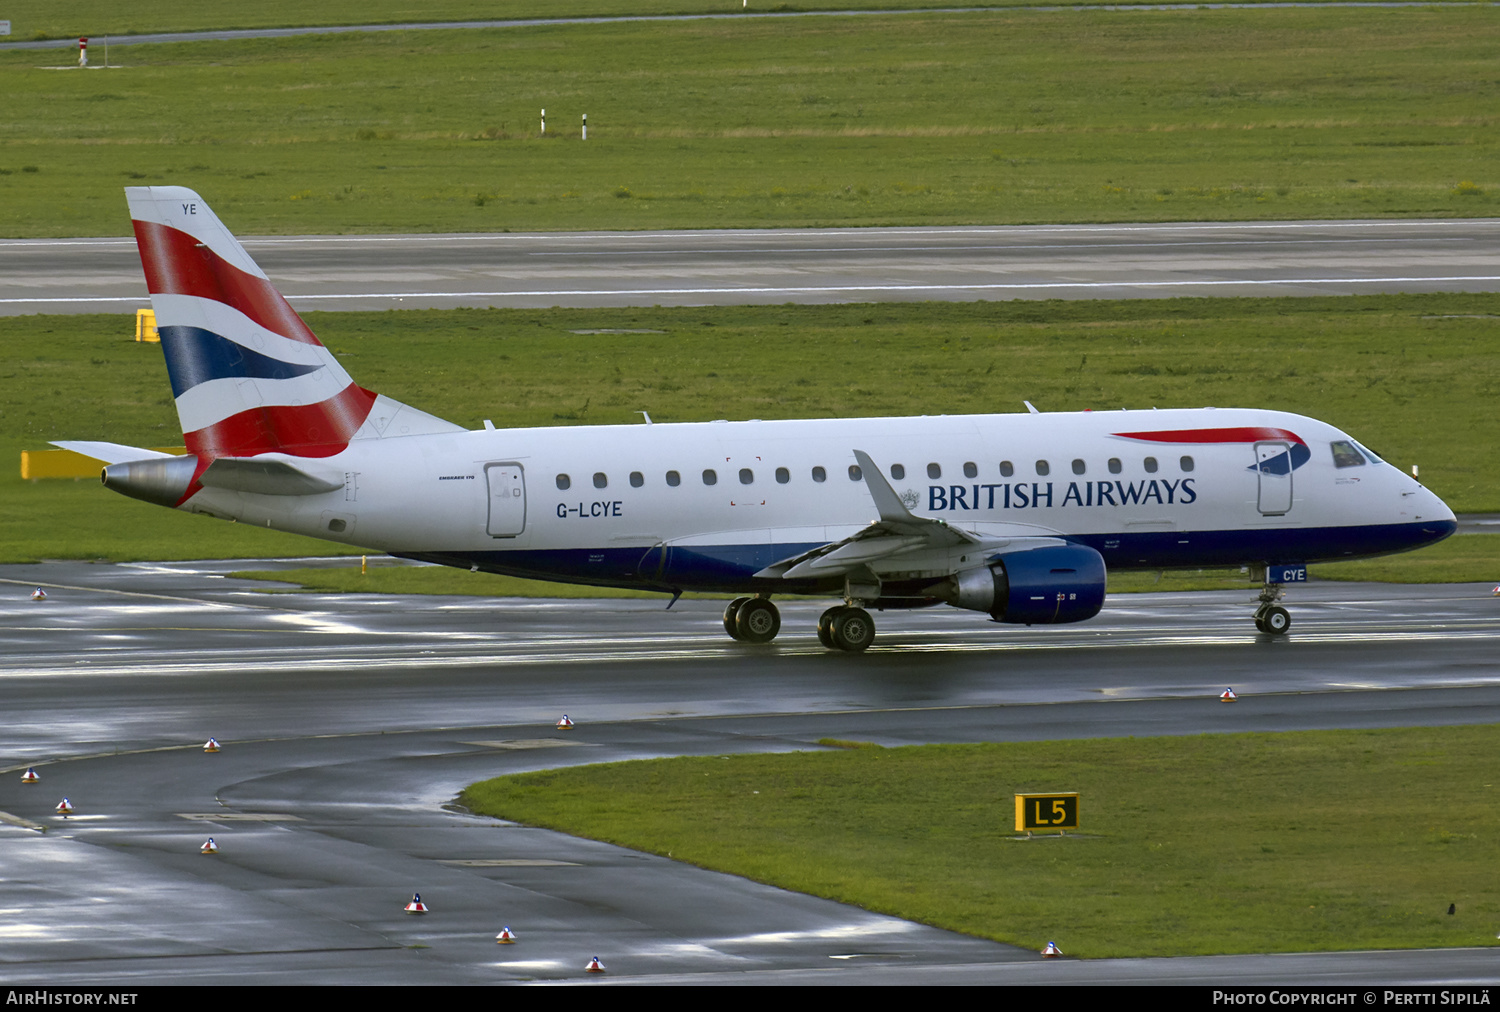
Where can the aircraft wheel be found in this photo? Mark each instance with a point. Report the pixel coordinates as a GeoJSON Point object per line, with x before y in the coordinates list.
{"type": "Point", "coordinates": [853, 629]}
{"type": "Point", "coordinates": [1260, 622]}
{"type": "Point", "coordinates": [1277, 621]}
{"type": "Point", "coordinates": [757, 621]}
{"type": "Point", "coordinates": [825, 627]}
{"type": "Point", "coordinates": [731, 611]}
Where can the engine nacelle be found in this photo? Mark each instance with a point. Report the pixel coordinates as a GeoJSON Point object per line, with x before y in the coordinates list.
{"type": "Point", "coordinates": [1062, 583]}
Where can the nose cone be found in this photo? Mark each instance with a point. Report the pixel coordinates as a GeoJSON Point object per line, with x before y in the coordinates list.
{"type": "Point", "coordinates": [1431, 515]}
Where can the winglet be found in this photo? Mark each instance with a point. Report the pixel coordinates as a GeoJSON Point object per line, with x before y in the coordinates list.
{"type": "Point", "coordinates": [886, 500]}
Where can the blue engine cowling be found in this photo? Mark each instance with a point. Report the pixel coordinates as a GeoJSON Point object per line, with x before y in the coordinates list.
{"type": "Point", "coordinates": [1043, 586]}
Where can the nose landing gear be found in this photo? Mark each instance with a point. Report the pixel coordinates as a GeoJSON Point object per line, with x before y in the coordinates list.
{"type": "Point", "coordinates": [1271, 617]}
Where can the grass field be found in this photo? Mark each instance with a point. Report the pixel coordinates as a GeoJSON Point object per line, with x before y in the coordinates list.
{"type": "Point", "coordinates": [1216, 843]}
{"type": "Point", "coordinates": [1411, 376]}
{"type": "Point", "coordinates": [38, 19]}
{"type": "Point", "coordinates": [990, 117]}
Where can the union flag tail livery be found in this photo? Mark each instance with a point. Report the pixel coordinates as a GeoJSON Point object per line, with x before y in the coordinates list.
{"type": "Point", "coordinates": [1017, 516]}
{"type": "Point", "coordinates": [248, 375]}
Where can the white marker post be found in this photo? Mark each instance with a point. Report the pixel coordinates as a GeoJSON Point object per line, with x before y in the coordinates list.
{"type": "Point", "coordinates": [83, 52]}
{"type": "Point", "coordinates": [585, 126]}
{"type": "Point", "coordinates": [544, 122]}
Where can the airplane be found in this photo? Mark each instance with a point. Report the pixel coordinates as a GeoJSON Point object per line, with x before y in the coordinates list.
{"type": "Point", "coordinates": [1015, 516]}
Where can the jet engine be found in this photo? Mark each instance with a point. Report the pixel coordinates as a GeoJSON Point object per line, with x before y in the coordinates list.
{"type": "Point", "coordinates": [1042, 586]}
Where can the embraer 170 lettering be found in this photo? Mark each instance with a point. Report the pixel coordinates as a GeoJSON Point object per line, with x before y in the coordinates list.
{"type": "Point", "coordinates": [1017, 516]}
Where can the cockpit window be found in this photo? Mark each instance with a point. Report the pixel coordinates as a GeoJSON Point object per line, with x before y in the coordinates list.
{"type": "Point", "coordinates": [1345, 455]}
{"type": "Point", "coordinates": [1373, 457]}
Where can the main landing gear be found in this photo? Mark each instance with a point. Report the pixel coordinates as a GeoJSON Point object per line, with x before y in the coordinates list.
{"type": "Point", "coordinates": [846, 628]}
{"type": "Point", "coordinates": [752, 620]}
{"type": "Point", "coordinates": [1271, 617]}
{"type": "Point", "coordinates": [757, 620]}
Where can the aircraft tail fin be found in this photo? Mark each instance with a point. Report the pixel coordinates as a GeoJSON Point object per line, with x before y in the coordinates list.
{"type": "Point", "coordinates": [248, 375]}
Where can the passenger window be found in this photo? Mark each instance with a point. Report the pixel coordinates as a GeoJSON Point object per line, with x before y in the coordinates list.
{"type": "Point", "coordinates": [564, 482]}
{"type": "Point", "coordinates": [709, 477]}
{"type": "Point", "coordinates": [637, 479]}
{"type": "Point", "coordinates": [600, 481]}
{"type": "Point", "coordinates": [1150, 465]}
{"type": "Point", "coordinates": [1114, 465]}
{"type": "Point", "coordinates": [854, 472]}
{"type": "Point", "coordinates": [1187, 463]}
{"type": "Point", "coordinates": [1043, 468]}
{"type": "Point", "coordinates": [783, 476]}
{"type": "Point", "coordinates": [1078, 467]}
{"type": "Point", "coordinates": [747, 476]}
{"type": "Point", "coordinates": [971, 469]}
{"type": "Point", "coordinates": [1007, 469]}
{"type": "Point", "coordinates": [898, 471]}
{"type": "Point", "coordinates": [933, 471]}
{"type": "Point", "coordinates": [1345, 455]}
{"type": "Point", "coordinates": [818, 474]}
{"type": "Point", "coordinates": [673, 479]}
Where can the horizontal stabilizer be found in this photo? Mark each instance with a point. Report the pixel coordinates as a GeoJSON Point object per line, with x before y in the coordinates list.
{"type": "Point", "coordinates": [265, 477]}
{"type": "Point", "coordinates": [110, 453]}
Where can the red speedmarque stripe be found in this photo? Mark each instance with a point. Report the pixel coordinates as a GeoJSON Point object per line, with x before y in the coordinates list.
{"type": "Point", "coordinates": [1244, 434]}
{"type": "Point", "coordinates": [177, 264]}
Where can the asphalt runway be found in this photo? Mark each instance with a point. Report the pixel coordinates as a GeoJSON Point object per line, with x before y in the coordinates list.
{"type": "Point", "coordinates": [350, 722]}
{"type": "Point", "coordinates": [796, 265]}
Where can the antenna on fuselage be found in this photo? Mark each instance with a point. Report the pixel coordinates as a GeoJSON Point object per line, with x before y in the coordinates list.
{"type": "Point", "coordinates": [1031, 407]}
{"type": "Point", "coordinates": [648, 422]}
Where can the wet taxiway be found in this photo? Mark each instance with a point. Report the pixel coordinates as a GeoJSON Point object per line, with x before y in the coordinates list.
{"type": "Point", "coordinates": [774, 266]}
{"type": "Point", "coordinates": [349, 722]}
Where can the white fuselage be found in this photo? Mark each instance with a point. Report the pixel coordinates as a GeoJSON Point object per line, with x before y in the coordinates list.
{"type": "Point", "coordinates": [749, 494]}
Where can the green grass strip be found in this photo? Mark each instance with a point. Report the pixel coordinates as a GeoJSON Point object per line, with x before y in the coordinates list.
{"type": "Point", "coordinates": [992, 117]}
{"type": "Point", "coordinates": [1311, 841]}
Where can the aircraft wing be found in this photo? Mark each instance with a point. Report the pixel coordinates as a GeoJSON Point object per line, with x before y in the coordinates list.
{"type": "Point", "coordinates": [897, 532]}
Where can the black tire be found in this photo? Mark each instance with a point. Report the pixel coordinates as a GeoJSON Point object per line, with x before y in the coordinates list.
{"type": "Point", "coordinates": [825, 627]}
{"type": "Point", "coordinates": [731, 612]}
{"type": "Point", "coordinates": [1260, 622]}
{"type": "Point", "coordinates": [757, 621]}
{"type": "Point", "coordinates": [853, 630]}
{"type": "Point", "coordinates": [1277, 621]}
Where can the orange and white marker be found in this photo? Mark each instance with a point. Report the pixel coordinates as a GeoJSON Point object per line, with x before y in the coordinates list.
{"type": "Point", "coordinates": [212, 745]}
{"type": "Point", "coordinates": [41, 595]}
{"type": "Point", "coordinates": [209, 847]}
{"type": "Point", "coordinates": [65, 808]}
{"type": "Point", "coordinates": [566, 724]}
{"type": "Point", "coordinates": [595, 966]}
{"type": "Point", "coordinates": [30, 776]}
{"type": "Point", "coordinates": [416, 906]}
{"type": "Point", "coordinates": [506, 936]}
{"type": "Point", "coordinates": [83, 52]}
{"type": "Point", "coordinates": [1227, 696]}
{"type": "Point", "coordinates": [1052, 951]}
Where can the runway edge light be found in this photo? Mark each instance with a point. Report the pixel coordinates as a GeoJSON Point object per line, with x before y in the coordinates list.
{"type": "Point", "coordinates": [565, 724]}
{"type": "Point", "coordinates": [209, 847]}
{"type": "Point", "coordinates": [1052, 951]}
{"type": "Point", "coordinates": [416, 906]}
{"type": "Point", "coordinates": [64, 808]}
{"type": "Point", "coordinates": [595, 966]}
{"type": "Point", "coordinates": [41, 595]}
{"type": "Point", "coordinates": [212, 745]}
{"type": "Point", "coordinates": [506, 936]}
{"type": "Point", "coordinates": [1227, 696]}
{"type": "Point", "coordinates": [30, 776]}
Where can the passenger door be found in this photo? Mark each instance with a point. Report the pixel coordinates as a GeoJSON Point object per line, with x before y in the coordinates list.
{"type": "Point", "coordinates": [507, 494]}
